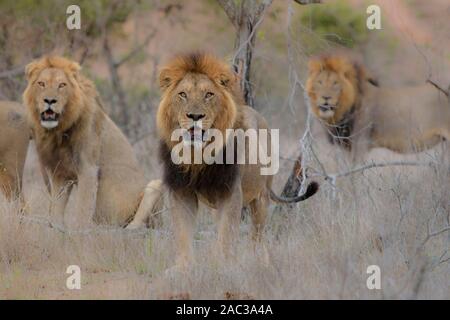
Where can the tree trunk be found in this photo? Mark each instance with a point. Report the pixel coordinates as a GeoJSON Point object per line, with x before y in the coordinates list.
{"type": "Point", "coordinates": [244, 45]}
{"type": "Point", "coordinates": [120, 110]}
{"type": "Point", "coordinates": [246, 18]}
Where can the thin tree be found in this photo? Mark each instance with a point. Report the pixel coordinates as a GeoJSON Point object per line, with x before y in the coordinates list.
{"type": "Point", "coordinates": [246, 17]}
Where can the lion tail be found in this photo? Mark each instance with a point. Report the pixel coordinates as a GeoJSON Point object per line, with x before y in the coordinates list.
{"type": "Point", "coordinates": [312, 188]}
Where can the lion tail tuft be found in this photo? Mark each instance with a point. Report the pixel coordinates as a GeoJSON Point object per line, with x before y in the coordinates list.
{"type": "Point", "coordinates": [311, 190]}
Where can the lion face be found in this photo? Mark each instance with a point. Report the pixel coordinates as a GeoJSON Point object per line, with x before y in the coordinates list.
{"type": "Point", "coordinates": [197, 96]}
{"type": "Point", "coordinates": [331, 88]}
{"type": "Point", "coordinates": [199, 102]}
{"type": "Point", "coordinates": [53, 94]}
{"type": "Point", "coordinates": [53, 90]}
{"type": "Point", "coordinates": [328, 89]}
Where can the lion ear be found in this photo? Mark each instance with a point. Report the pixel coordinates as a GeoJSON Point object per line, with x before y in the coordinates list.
{"type": "Point", "coordinates": [227, 80]}
{"type": "Point", "coordinates": [165, 79]}
{"type": "Point", "coordinates": [350, 72]}
{"type": "Point", "coordinates": [314, 66]}
{"type": "Point", "coordinates": [31, 69]}
{"type": "Point", "coordinates": [75, 67]}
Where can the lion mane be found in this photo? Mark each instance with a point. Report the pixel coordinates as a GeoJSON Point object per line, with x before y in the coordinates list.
{"type": "Point", "coordinates": [85, 147]}
{"type": "Point", "coordinates": [353, 79]}
{"type": "Point", "coordinates": [214, 97]}
{"type": "Point", "coordinates": [351, 105]}
{"type": "Point", "coordinates": [213, 180]}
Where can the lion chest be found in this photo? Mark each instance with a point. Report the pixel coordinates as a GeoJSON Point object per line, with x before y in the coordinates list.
{"type": "Point", "coordinates": [59, 157]}
{"type": "Point", "coordinates": [210, 183]}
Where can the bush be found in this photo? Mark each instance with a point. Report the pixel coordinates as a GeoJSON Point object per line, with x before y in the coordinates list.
{"type": "Point", "coordinates": [336, 22]}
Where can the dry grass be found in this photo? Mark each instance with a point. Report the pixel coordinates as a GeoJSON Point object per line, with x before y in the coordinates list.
{"type": "Point", "coordinates": [318, 249]}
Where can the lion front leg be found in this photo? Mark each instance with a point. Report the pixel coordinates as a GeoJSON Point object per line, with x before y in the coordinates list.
{"type": "Point", "coordinates": [149, 206]}
{"type": "Point", "coordinates": [60, 191]}
{"type": "Point", "coordinates": [87, 195]}
{"type": "Point", "coordinates": [183, 210]}
{"type": "Point", "coordinates": [229, 213]}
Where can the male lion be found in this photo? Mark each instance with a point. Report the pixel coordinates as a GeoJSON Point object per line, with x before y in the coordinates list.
{"type": "Point", "coordinates": [78, 143]}
{"type": "Point", "coordinates": [199, 94]}
{"type": "Point", "coordinates": [14, 140]}
{"type": "Point", "coordinates": [353, 109]}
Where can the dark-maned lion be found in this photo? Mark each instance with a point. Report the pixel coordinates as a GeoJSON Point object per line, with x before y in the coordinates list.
{"type": "Point", "coordinates": [199, 87]}
{"type": "Point", "coordinates": [356, 112]}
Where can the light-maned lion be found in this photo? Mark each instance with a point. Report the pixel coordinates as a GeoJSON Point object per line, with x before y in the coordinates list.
{"type": "Point", "coordinates": [199, 87]}
{"type": "Point", "coordinates": [78, 143]}
{"type": "Point", "coordinates": [357, 114]}
{"type": "Point", "coordinates": [14, 140]}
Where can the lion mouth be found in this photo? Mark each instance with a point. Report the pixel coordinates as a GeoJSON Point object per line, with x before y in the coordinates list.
{"type": "Point", "coordinates": [326, 107]}
{"type": "Point", "coordinates": [197, 134]}
{"type": "Point", "coordinates": [49, 119]}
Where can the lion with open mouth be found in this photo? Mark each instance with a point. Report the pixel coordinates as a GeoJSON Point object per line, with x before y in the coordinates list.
{"type": "Point", "coordinates": [78, 144]}
{"type": "Point", "coordinates": [200, 94]}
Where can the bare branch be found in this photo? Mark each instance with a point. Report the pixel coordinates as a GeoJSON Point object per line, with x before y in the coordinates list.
{"type": "Point", "coordinates": [230, 9]}
{"type": "Point", "coordinates": [136, 50]}
{"type": "Point", "coordinates": [261, 8]}
{"type": "Point", "coordinates": [333, 176]}
{"type": "Point", "coordinates": [433, 234]}
{"type": "Point", "coordinates": [303, 2]}
{"type": "Point", "coordinates": [438, 87]}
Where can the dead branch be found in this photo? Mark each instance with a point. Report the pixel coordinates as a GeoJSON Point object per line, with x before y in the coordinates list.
{"type": "Point", "coordinates": [304, 2]}
{"type": "Point", "coordinates": [298, 174]}
{"type": "Point", "coordinates": [333, 176]}
{"type": "Point", "coordinates": [438, 87]}
{"type": "Point", "coordinates": [432, 234]}
{"type": "Point", "coordinates": [230, 9]}
{"type": "Point", "coordinates": [136, 50]}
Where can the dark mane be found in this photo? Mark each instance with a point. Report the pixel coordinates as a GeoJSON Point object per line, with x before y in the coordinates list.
{"type": "Point", "coordinates": [213, 181]}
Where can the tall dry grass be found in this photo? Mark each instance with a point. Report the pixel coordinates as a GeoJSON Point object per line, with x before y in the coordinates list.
{"type": "Point", "coordinates": [318, 249]}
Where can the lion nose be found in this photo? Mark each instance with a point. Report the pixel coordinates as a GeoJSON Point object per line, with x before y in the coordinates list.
{"type": "Point", "coordinates": [326, 98]}
{"type": "Point", "coordinates": [195, 116]}
{"type": "Point", "coordinates": [49, 102]}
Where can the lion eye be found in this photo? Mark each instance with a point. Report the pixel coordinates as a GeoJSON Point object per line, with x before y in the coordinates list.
{"type": "Point", "coordinates": [41, 84]}
{"type": "Point", "coordinates": [320, 81]}
{"type": "Point", "coordinates": [183, 94]}
{"type": "Point", "coordinates": [209, 95]}
{"type": "Point", "coordinates": [62, 85]}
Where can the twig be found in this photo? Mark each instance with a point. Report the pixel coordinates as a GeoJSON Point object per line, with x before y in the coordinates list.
{"type": "Point", "coordinates": [438, 87]}
{"type": "Point", "coordinates": [303, 2]}
{"type": "Point", "coordinates": [433, 234]}
{"type": "Point", "coordinates": [230, 9]}
{"type": "Point", "coordinates": [136, 50]}
{"type": "Point", "coordinates": [379, 165]}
